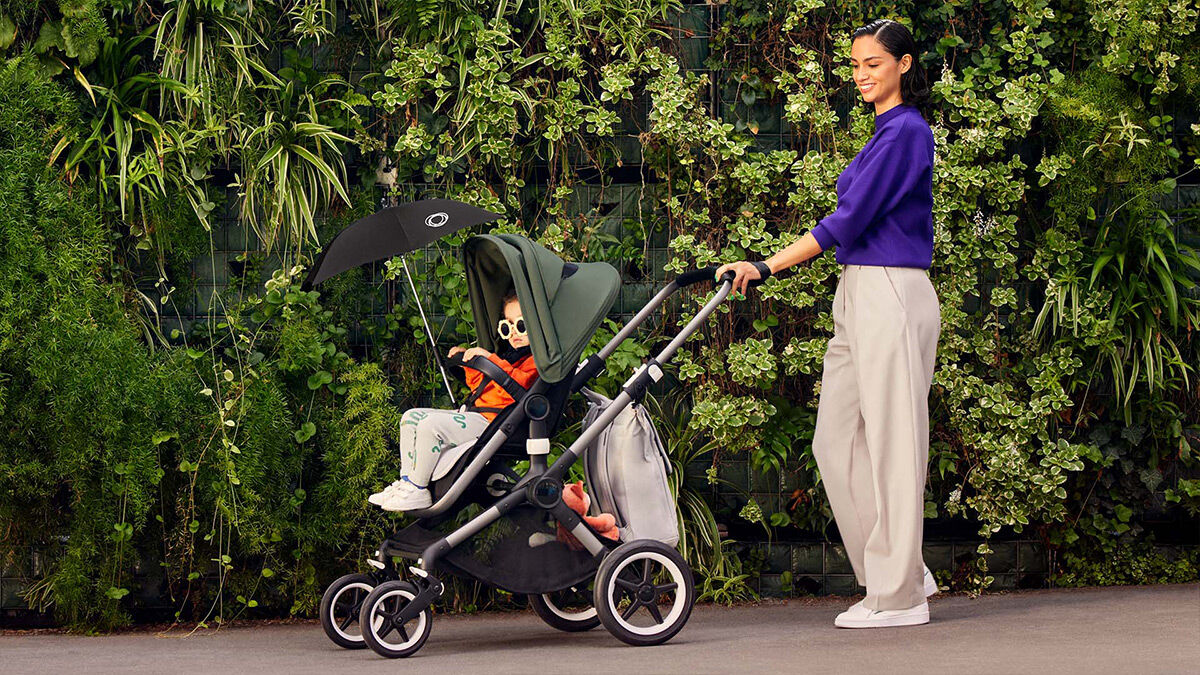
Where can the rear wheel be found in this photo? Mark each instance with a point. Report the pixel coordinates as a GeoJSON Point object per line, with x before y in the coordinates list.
{"type": "Point", "coordinates": [569, 610]}
{"type": "Point", "coordinates": [382, 629]}
{"type": "Point", "coordinates": [644, 592]}
{"type": "Point", "coordinates": [340, 606]}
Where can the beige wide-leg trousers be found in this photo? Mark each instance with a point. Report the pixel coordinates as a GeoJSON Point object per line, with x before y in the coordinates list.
{"type": "Point", "coordinates": [872, 437]}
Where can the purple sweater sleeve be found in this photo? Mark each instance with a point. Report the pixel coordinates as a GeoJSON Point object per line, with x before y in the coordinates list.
{"type": "Point", "coordinates": [882, 178]}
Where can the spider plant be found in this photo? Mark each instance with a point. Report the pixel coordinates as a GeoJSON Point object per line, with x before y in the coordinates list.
{"type": "Point", "coordinates": [205, 44]}
{"type": "Point", "coordinates": [133, 157]}
{"type": "Point", "coordinates": [291, 162]}
{"type": "Point", "coordinates": [1153, 308]}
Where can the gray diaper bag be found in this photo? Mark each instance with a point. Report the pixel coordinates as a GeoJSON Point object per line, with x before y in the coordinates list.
{"type": "Point", "coordinates": [626, 468]}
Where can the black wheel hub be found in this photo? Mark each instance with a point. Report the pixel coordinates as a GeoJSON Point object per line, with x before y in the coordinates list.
{"type": "Point", "coordinates": [644, 592]}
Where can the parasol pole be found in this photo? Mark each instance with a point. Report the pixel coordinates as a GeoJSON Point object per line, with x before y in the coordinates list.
{"type": "Point", "coordinates": [428, 331]}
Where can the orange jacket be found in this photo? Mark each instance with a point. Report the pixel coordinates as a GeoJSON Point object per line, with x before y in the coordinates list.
{"type": "Point", "coordinates": [494, 396]}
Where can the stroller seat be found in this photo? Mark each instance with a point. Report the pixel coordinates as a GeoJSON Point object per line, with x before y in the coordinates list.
{"type": "Point", "coordinates": [452, 465]}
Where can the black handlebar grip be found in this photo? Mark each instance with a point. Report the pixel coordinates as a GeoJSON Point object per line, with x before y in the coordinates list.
{"type": "Point", "coordinates": [696, 276]}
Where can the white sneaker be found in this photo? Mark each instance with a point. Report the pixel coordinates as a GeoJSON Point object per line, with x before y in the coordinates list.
{"type": "Point", "coordinates": [861, 617]}
{"type": "Point", "coordinates": [408, 498]}
{"type": "Point", "coordinates": [931, 586]}
{"type": "Point", "coordinates": [378, 497]}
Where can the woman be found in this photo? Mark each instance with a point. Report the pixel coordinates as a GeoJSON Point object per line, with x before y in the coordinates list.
{"type": "Point", "coordinates": [872, 437]}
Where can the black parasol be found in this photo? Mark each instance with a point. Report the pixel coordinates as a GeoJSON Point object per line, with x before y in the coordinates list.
{"type": "Point", "coordinates": [394, 231]}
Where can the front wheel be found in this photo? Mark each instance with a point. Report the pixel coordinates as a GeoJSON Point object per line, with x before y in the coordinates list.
{"type": "Point", "coordinates": [382, 630]}
{"type": "Point", "coordinates": [569, 610]}
{"type": "Point", "coordinates": [644, 592]}
{"type": "Point", "coordinates": [340, 607]}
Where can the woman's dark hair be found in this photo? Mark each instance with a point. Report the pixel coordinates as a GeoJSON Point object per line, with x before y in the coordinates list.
{"type": "Point", "coordinates": [898, 41]}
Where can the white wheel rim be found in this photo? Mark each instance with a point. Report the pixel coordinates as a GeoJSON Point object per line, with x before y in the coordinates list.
{"type": "Point", "coordinates": [377, 621]}
{"type": "Point", "coordinates": [333, 620]}
{"type": "Point", "coordinates": [680, 592]}
{"type": "Point", "coordinates": [589, 613]}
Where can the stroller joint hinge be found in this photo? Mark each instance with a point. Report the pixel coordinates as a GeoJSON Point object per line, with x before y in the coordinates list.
{"type": "Point", "coordinates": [649, 372]}
{"type": "Point", "coordinates": [429, 588]}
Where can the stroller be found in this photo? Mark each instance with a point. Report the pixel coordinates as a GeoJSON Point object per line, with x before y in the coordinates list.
{"type": "Point", "coordinates": [641, 589]}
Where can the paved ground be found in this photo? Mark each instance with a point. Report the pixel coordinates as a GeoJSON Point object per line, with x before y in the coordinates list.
{"type": "Point", "coordinates": [1114, 630]}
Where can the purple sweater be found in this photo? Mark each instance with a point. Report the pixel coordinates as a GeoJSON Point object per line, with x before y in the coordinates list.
{"type": "Point", "coordinates": [884, 214]}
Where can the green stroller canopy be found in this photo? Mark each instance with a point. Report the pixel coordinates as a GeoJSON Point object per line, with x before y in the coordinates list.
{"type": "Point", "coordinates": [563, 303]}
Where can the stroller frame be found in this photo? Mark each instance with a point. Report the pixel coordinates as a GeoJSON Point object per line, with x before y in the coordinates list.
{"type": "Point", "coordinates": [542, 485]}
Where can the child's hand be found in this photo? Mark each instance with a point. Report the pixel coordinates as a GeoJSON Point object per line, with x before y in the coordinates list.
{"type": "Point", "coordinates": [475, 351]}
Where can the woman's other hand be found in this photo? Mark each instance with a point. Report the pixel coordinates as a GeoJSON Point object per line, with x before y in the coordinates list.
{"type": "Point", "coordinates": [744, 272]}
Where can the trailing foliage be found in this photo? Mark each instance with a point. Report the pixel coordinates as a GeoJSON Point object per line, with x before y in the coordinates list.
{"type": "Point", "coordinates": [223, 465]}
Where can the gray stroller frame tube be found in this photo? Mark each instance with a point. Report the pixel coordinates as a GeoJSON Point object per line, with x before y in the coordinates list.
{"type": "Point", "coordinates": [636, 322]}
{"type": "Point", "coordinates": [626, 396]}
{"type": "Point", "coordinates": [570, 520]}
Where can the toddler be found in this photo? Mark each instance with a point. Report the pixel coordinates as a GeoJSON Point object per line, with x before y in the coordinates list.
{"type": "Point", "coordinates": [425, 432]}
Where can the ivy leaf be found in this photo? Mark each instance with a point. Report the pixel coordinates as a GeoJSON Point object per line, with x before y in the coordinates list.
{"type": "Point", "coordinates": [116, 593]}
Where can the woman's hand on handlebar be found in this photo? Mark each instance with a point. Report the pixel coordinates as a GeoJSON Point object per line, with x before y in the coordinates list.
{"type": "Point", "coordinates": [455, 350]}
{"type": "Point", "coordinates": [744, 272]}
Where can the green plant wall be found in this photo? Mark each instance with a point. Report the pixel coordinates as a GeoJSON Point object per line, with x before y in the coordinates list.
{"type": "Point", "coordinates": [183, 425]}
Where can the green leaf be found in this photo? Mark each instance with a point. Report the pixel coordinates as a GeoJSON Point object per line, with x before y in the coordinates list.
{"type": "Point", "coordinates": [116, 593]}
{"type": "Point", "coordinates": [1123, 512]}
{"type": "Point", "coordinates": [320, 378]}
{"type": "Point", "coordinates": [305, 432]}
{"type": "Point", "coordinates": [8, 32]}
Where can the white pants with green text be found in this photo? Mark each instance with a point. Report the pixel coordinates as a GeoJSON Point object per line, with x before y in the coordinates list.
{"type": "Point", "coordinates": [426, 432]}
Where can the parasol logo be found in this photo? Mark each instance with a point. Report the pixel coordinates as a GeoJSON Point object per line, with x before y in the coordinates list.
{"type": "Point", "coordinates": [437, 219]}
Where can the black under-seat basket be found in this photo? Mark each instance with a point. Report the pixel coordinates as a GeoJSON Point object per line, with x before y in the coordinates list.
{"type": "Point", "coordinates": [502, 555]}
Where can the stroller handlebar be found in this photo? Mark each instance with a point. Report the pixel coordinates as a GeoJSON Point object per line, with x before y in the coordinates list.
{"type": "Point", "coordinates": [702, 274]}
{"type": "Point", "coordinates": [696, 276]}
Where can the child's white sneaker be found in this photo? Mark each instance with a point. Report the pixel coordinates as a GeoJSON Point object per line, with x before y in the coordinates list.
{"type": "Point", "coordinates": [378, 498]}
{"type": "Point", "coordinates": [859, 616]}
{"type": "Point", "coordinates": [407, 497]}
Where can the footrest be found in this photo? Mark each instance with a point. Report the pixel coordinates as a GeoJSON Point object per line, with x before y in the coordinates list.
{"type": "Point", "coordinates": [410, 542]}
